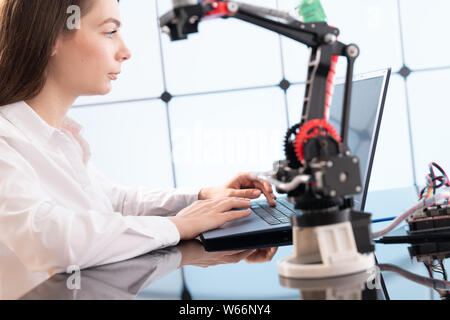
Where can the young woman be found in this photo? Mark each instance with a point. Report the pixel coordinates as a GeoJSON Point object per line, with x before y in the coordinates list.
{"type": "Point", "coordinates": [56, 209]}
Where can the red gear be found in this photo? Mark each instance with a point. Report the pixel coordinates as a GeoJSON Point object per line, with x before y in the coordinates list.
{"type": "Point", "coordinates": [311, 129]}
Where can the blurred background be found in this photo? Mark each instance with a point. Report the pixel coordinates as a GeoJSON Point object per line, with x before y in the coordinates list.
{"type": "Point", "coordinates": [194, 113]}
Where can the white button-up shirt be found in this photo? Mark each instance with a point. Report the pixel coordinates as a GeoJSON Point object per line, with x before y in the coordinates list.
{"type": "Point", "coordinates": [57, 210]}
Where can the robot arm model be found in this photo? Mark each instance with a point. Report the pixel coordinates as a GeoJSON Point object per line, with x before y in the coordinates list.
{"type": "Point", "coordinates": [316, 149]}
{"type": "Point", "coordinates": [319, 173]}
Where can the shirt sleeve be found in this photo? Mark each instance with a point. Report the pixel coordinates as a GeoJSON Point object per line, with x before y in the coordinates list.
{"type": "Point", "coordinates": [46, 236]}
{"type": "Point", "coordinates": [137, 201]}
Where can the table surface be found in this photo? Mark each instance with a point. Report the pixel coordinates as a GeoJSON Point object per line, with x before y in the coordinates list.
{"type": "Point", "coordinates": [232, 275]}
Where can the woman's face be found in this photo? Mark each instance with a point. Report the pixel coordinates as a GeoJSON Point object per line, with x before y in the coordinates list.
{"type": "Point", "coordinates": [84, 63]}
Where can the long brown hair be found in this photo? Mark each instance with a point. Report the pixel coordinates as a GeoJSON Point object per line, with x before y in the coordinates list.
{"type": "Point", "coordinates": [28, 32]}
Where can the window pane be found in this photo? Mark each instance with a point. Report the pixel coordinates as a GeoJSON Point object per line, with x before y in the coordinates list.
{"type": "Point", "coordinates": [428, 96]}
{"type": "Point", "coordinates": [141, 76]}
{"type": "Point", "coordinates": [295, 97]}
{"type": "Point", "coordinates": [216, 136]}
{"type": "Point", "coordinates": [224, 54]}
{"type": "Point", "coordinates": [129, 141]}
{"type": "Point", "coordinates": [372, 25]}
{"type": "Point", "coordinates": [424, 25]}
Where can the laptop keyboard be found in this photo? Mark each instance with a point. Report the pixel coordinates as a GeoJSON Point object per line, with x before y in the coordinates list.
{"type": "Point", "coordinates": [274, 215]}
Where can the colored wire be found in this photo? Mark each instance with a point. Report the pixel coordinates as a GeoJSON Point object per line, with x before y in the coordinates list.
{"type": "Point", "coordinates": [383, 219]}
{"type": "Point", "coordinates": [434, 182]}
{"type": "Point", "coordinates": [426, 281]}
{"type": "Point", "coordinates": [419, 206]}
{"type": "Point", "coordinates": [434, 164]}
{"type": "Point", "coordinates": [443, 270]}
{"type": "Point", "coordinates": [439, 268]}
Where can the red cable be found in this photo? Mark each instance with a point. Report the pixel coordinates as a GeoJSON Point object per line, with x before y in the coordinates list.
{"type": "Point", "coordinates": [330, 86]}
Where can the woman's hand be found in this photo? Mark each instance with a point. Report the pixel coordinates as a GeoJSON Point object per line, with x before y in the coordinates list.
{"type": "Point", "coordinates": [193, 253]}
{"type": "Point", "coordinates": [242, 185]}
{"type": "Point", "coordinates": [204, 215]}
{"type": "Point", "coordinates": [261, 255]}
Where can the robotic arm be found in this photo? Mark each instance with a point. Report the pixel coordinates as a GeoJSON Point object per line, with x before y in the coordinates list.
{"type": "Point", "coordinates": [318, 141]}
{"type": "Point", "coordinates": [319, 173]}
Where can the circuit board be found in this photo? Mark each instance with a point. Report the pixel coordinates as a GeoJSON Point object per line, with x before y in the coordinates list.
{"type": "Point", "coordinates": [430, 219]}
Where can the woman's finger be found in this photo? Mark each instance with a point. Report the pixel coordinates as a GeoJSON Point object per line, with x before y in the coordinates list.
{"type": "Point", "coordinates": [245, 193]}
{"type": "Point", "coordinates": [243, 255]}
{"type": "Point", "coordinates": [268, 186]}
{"type": "Point", "coordinates": [244, 180]}
{"type": "Point", "coordinates": [268, 193]}
{"type": "Point", "coordinates": [236, 214]}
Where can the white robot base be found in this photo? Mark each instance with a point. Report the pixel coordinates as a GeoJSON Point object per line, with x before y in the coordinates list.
{"type": "Point", "coordinates": [324, 251]}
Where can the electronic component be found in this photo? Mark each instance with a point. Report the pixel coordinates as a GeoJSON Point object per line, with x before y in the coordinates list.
{"type": "Point", "coordinates": [432, 255]}
{"type": "Point", "coordinates": [429, 251]}
{"type": "Point", "coordinates": [430, 219]}
{"type": "Point", "coordinates": [437, 216]}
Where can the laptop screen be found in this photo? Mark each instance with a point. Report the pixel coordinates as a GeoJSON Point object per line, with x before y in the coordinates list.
{"type": "Point", "coordinates": [368, 95]}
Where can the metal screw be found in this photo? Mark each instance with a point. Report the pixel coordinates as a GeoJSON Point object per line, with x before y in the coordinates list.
{"type": "Point", "coordinates": [343, 177]}
{"type": "Point", "coordinates": [358, 189]}
{"type": "Point", "coordinates": [332, 193]}
{"type": "Point", "coordinates": [166, 30]}
{"type": "Point", "coordinates": [193, 19]}
{"type": "Point", "coordinates": [347, 153]}
{"type": "Point", "coordinates": [329, 164]}
{"type": "Point", "coordinates": [352, 51]}
{"type": "Point", "coordinates": [355, 160]}
{"type": "Point", "coordinates": [233, 6]}
{"type": "Point", "coordinates": [330, 38]}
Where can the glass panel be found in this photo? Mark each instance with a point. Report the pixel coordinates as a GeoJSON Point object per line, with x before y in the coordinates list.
{"type": "Point", "coordinates": [141, 76]}
{"type": "Point", "coordinates": [424, 24]}
{"type": "Point", "coordinates": [225, 54]}
{"type": "Point", "coordinates": [247, 277]}
{"type": "Point", "coordinates": [168, 287]}
{"type": "Point", "coordinates": [392, 166]}
{"type": "Point", "coordinates": [129, 141]}
{"type": "Point", "coordinates": [216, 136]}
{"type": "Point", "coordinates": [372, 25]}
{"type": "Point", "coordinates": [428, 95]}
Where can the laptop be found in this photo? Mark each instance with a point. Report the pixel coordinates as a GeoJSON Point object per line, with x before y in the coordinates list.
{"type": "Point", "coordinates": [268, 226]}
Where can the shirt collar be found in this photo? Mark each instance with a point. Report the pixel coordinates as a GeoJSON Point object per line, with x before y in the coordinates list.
{"type": "Point", "coordinates": [21, 115]}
